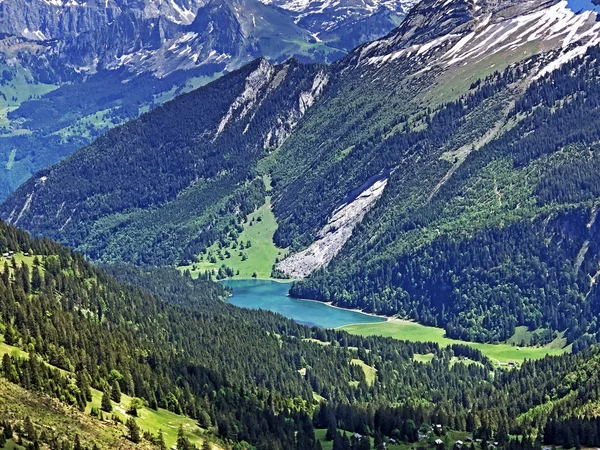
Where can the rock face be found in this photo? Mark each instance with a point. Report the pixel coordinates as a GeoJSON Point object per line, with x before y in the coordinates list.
{"type": "Point", "coordinates": [164, 36]}
{"type": "Point", "coordinates": [346, 23]}
{"type": "Point", "coordinates": [332, 237]}
{"type": "Point", "coordinates": [145, 36]}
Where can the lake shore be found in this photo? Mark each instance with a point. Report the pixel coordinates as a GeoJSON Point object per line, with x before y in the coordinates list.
{"type": "Point", "coordinates": [355, 310]}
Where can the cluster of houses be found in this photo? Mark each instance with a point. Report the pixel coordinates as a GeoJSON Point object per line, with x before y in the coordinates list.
{"type": "Point", "coordinates": [9, 255]}
{"type": "Point", "coordinates": [425, 430]}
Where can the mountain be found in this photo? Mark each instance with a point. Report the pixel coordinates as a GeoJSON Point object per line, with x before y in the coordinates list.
{"type": "Point", "coordinates": [72, 70]}
{"type": "Point", "coordinates": [189, 174]}
{"type": "Point", "coordinates": [444, 173]}
{"type": "Point", "coordinates": [346, 24]}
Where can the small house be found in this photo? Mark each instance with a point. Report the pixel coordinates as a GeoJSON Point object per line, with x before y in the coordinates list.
{"type": "Point", "coordinates": [357, 436]}
{"type": "Point", "coordinates": [26, 254]}
{"type": "Point", "coordinates": [459, 443]}
{"type": "Point", "coordinates": [438, 442]}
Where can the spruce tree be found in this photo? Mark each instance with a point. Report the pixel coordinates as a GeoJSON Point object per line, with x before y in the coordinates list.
{"type": "Point", "coordinates": [106, 405]}
{"type": "Point", "coordinates": [160, 441]}
{"type": "Point", "coordinates": [77, 443]}
{"type": "Point", "coordinates": [36, 278]}
{"type": "Point", "coordinates": [331, 430]}
{"type": "Point", "coordinates": [135, 433]}
{"type": "Point", "coordinates": [115, 393]}
{"type": "Point", "coordinates": [29, 429]}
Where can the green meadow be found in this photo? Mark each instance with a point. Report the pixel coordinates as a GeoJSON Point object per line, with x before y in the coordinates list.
{"type": "Point", "coordinates": [255, 261]}
{"type": "Point", "coordinates": [411, 331]}
{"type": "Point", "coordinates": [152, 420]}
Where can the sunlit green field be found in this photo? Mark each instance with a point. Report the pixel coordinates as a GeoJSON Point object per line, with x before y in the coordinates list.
{"type": "Point", "coordinates": [257, 259]}
{"type": "Point", "coordinates": [153, 420]}
{"type": "Point", "coordinates": [411, 331]}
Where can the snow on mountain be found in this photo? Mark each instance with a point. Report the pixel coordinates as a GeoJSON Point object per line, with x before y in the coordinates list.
{"type": "Point", "coordinates": [468, 31]}
{"type": "Point", "coordinates": [341, 9]}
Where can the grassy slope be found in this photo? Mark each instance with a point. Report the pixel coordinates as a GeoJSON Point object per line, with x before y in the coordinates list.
{"type": "Point", "coordinates": [412, 331]}
{"type": "Point", "coordinates": [261, 255]}
{"type": "Point", "coordinates": [148, 419]}
{"type": "Point", "coordinates": [370, 371]}
{"type": "Point", "coordinates": [17, 403]}
{"type": "Point", "coordinates": [151, 420]}
{"type": "Point", "coordinates": [21, 88]}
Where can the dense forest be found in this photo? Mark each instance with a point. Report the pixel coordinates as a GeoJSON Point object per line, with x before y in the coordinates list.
{"type": "Point", "coordinates": [509, 239]}
{"type": "Point", "coordinates": [184, 354]}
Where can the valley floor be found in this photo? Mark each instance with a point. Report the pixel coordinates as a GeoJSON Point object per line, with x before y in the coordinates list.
{"type": "Point", "coordinates": [503, 353]}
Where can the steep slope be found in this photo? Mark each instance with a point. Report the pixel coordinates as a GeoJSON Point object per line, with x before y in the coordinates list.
{"type": "Point", "coordinates": [438, 141]}
{"type": "Point", "coordinates": [456, 241]}
{"type": "Point", "coordinates": [187, 167]}
{"type": "Point", "coordinates": [92, 66]}
{"type": "Point", "coordinates": [86, 53]}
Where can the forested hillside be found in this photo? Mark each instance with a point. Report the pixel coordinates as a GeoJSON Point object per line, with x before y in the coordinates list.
{"type": "Point", "coordinates": [508, 239]}
{"type": "Point", "coordinates": [250, 375]}
{"type": "Point", "coordinates": [485, 217]}
{"type": "Point", "coordinates": [161, 188]}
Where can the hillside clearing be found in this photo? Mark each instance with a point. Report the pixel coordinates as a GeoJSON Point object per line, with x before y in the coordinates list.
{"type": "Point", "coordinates": [411, 331]}
{"type": "Point", "coordinates": [254, 261]}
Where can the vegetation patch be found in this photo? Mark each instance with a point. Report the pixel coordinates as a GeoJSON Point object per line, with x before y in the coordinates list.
{"type": "Point", "coordinates": [411, 331]}
{"type": "Point", "coordinates": [251, 255]}
{"type": "Point", "coordinates": [370, 371]}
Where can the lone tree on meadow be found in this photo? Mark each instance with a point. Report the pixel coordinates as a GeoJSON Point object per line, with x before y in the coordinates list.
{"type": "Point", "coordinates": [106, 405]}
{"type": "Point", "coordinates": [135, 433]}
{"type": "Point", "coordinates": [115, 393]}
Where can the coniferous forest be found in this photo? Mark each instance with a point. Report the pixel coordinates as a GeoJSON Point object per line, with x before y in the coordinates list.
{"type": "Point", "coordinates": [481, 121]}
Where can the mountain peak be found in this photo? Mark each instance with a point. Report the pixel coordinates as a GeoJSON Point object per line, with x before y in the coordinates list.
{"type": "Point", "coordinates": [452, 32]}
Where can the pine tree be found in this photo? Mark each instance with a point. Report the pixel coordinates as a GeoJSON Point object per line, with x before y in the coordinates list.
{"type": "Point", "coordinates": [115, 393]}
{"type": "Point", "coordinates": [160, 441]}
{"type": "Point", "coordinates": [134, 430]}
{"type": "Point", "coordinates": [84, 385]}
{"type": "Point", "coordinates": [182, 442]}
{"type": "Point", "coordinates": [10, 337]}
{"type": "Point", "coordinates": [36, 278]}
{"type": "Point", "coordinates": [106, 405]}
{"type": "Point", "coordinates": [331, 430]}
{"type": "Point", "coordinates": [29, 429]}
{"type": "Point", "coordinates": [77, 443]}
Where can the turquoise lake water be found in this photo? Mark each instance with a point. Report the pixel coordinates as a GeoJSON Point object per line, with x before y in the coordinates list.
{"type": "Point", "coordinates": [582, 5]}
{"type": "Point", "coordinates": [272, 296]}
